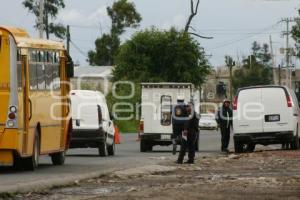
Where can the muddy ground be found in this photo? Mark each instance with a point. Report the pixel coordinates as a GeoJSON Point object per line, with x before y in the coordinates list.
{"type": "Point", "coordinates": [259, 175]}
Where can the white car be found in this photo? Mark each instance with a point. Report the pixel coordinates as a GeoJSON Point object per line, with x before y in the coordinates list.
{"type": "Point", "coordinates": [208, 121]}
{"type": "Point", "coordinates": [92, 124]}
{"type": "Point", "coordinates": [265, 115]}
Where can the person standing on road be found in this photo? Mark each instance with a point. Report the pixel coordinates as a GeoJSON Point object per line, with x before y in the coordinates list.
{"type": "Point", "coordinates": [224, 120]}
{"type": "Point", "coordinates": [179, 117]}
{"type": "Point", "coordinates": [189, 138]}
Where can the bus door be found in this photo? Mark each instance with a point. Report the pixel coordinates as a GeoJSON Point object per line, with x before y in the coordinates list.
{"type": "Point", "coordinates": [27, 104]}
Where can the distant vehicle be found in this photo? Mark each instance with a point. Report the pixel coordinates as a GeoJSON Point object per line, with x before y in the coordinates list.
{"type": "Point", "coordinates": [92, 125]}
{"type": "Point", "coordinates": [156, 116]}
{"type": "Point", "coordinates": [265, 115]}
{"type": "Point", "coordinates": [34, 77]}
{"type": "Point", "coordinates": [208, 121]}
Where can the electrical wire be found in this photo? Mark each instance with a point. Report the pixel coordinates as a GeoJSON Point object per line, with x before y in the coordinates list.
{"type": "Point", "coordinates": [244, 38]}
{"type": "Point", "coordinates": [78, 49]}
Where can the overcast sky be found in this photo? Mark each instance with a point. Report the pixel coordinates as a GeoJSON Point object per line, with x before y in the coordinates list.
{"type": "Point", "coordinates": [234, 24]}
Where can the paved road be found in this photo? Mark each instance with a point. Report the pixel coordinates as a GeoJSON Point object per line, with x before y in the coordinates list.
{"type": "Point", "coordinates": [83, 163]}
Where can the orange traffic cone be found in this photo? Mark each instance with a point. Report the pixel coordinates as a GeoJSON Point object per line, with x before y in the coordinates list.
{"type": "Point", "coordinates": [117, 136]}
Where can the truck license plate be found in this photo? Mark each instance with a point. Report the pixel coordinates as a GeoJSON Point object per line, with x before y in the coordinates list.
{"type": "Point", "coordinates": [165, 137]}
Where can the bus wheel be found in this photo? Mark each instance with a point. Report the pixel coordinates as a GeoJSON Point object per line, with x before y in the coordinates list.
{"type": "Point", "coordinates": [32, 162]}
{"type": "Point", "coordinates": [58, 158]}
{"type": "Point", "coordinates": [17, 163]}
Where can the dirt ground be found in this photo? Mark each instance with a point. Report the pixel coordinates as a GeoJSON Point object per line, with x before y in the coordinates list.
{"type": "Point", "coordinates": [259, 175]}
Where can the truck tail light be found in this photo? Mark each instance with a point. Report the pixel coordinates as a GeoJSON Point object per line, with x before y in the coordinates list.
{"type": "Point", "coordinates": [141, 126]}
{"type": "Point", "coordinates": [235, 103]}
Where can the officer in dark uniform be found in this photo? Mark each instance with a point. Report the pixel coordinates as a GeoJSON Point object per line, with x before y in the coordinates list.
{"type": "Point", "coordinates": [191, 132]}
{"type": "Point", "coordinates": [179, 117]}
{"type": "Point", "coordinates": [224, 119]}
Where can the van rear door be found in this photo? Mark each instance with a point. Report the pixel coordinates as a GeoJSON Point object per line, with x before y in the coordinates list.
{"type": "Point", "coordinates": [277, 114]}
{"type": "Point", "coordinates": [84, 111]}
{"type": "Point", "coordinates": [248, 116]}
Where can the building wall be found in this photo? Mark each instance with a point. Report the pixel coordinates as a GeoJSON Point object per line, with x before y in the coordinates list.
{"type": "Point", "coordinates": [91, 83]}
{"type": "Point", "coordinates": [209, 96]}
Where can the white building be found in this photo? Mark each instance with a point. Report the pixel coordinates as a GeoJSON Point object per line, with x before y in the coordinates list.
{"type": "Point", "coordinates": [92, 78]}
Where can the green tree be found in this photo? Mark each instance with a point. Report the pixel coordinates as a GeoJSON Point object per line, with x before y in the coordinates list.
{"type": "Point", "coordinates": [256, 68]}
{"type": "Point", "coordinates": [51, 10]}
{"type": "Point", "coordinates": [153, 56]}
{"type": "Point", "coordinates": [123, 15]}
{"type": "Point", "coordinates": [104, 47]}
{"type": "Point", "coordinates": [296, 34]}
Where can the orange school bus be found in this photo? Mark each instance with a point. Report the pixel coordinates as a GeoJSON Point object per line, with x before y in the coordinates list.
{"type": "Point", "coordinates": [34, 104]}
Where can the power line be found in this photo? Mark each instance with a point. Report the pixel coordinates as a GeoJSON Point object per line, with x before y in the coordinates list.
{"type": "Point", "coordinates": [78, 49]}
{"type": "Point", "coordinates": [245, 38]}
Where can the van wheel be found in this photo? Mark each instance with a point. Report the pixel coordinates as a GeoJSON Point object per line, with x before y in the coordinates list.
{"type": "Point", "coordinates": [251, 147]}
{"type": "Point", "coordinates": [295, 143]}
{"type": "Point", "coordinates": [32, 162]}
{"type": "Point", "coordinates": [102, 149]}
{"type": "Point", "coordinates": [111, 149]}
{"type": "Point", "coordinates": [143, 146]}
{"type": "Point", "coordinates": [238, 147]}
{"type": "Point", "coordinates": [150, 147]}
{"type": "Point", "coordinates": [58, 158]}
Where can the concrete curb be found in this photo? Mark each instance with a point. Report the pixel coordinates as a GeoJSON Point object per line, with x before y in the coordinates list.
{"type": "Point", "coordinates": [41, 185]}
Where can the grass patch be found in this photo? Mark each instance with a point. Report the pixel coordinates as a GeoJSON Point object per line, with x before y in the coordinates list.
{"type": "Point", "coordinates": [127, 126]}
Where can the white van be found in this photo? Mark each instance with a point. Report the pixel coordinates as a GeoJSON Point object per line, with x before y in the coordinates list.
{"type": "Point", "coordinates": [265, 115]}
{"type": "Point", "coordinates": [156, 111]}
{"type": "Point", "coordinates": [92, 125]}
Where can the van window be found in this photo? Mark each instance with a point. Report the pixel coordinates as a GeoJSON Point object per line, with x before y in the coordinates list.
{"type": "Point", "coordinates": [166, 110]}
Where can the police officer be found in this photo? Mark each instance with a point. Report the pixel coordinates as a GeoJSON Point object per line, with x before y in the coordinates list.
{"type": "Point", "coordinates": [224, 119]}
{"type": "Point", "coordinates": [190, 134]}
{"type": "Point", "coordinates": [179, 117]}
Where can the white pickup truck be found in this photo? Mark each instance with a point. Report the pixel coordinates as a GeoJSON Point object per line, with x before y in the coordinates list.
{"type": "Point", "coordinates": [156, 111]}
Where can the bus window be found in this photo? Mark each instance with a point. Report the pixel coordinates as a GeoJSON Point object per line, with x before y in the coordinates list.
{"type": "Point", "coordinates": [50, 57]}
{"type": "Point", "coordinates": [33, 56]}
{"type": "Point", "coordinates": [48, 76]}
{"type": "Point", "coordinates": [41, 76]}
{"type": "Point", "coordinates": [33, 76]}
{"type": "Point", "coordinates": [56, 77]}
{"type": "Point", "coordinates": [166, 110]}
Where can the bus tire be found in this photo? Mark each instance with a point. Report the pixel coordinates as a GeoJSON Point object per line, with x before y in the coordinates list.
{"type": "Point", "coordinates": [58, 158]}
{"type": "Point", "coordinates": [17, 165]}
{"type": "Point", "coordinates": [32, 162]}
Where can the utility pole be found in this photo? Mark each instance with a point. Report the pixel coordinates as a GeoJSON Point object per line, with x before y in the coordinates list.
{"type": "Point", "coordinates": [287, 51]}
{"type": "Point", "coordinates": [279, 68]}
{"type": "Point", "coordinates": [68, 38]}
{"type": "Point", "coordinates": [230, 64]}
{"type": "Point", "coordinates": [273, 60]}
{"type": "Point", "coordinates": [41, 18]}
